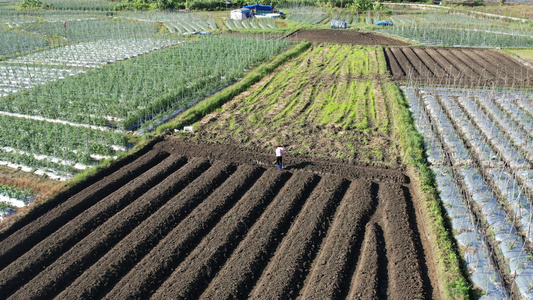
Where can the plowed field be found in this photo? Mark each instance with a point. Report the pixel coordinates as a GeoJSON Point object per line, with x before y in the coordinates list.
{"type": "Point", "coordinates": [457, 66]}
{"type": "Point", "coordinates": [187, 220]}
{"type": "Point", "coordinates": [345, 37]}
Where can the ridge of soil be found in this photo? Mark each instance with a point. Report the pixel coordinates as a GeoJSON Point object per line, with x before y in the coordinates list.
{"type": "Point", "coordinates": [203, 220]}
{"type": "Point", "coordinates": [457, 67]}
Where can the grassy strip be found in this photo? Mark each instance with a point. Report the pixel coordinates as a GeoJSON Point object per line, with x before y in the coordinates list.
{"type": "Point", "coordinates": [210, 104]}
{"type": "Point", "coordinates": [451, 270]}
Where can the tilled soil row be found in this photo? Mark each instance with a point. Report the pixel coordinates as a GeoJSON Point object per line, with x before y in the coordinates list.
{"type": "Point", "coordinates": [81, 255]}
{"type": "Point", "coordinates": [329, 277]}
{"type": "Point", "coordinates": [158, 229]}
{"type": "Point", "coordinates": [404, 263]}
{"type": "Point", "coordinates": [49, 204]}
{"type": "Point", "coordinates": [369, 281]}
{"type": "Point", "coordinates": [34, 232]}
{"type": "Point", "coordinates": [289, 267]}
{"type": "Point", "coordinates": [218, 222]}
{"type": "Point", "coordinates": [32, 262]}
{"type": "Point", "coordinates": [457, 66]}
{"type": "Point", "coordinates": [239, 274]}
{"type": "Point", "coordinates": [208, 257]}
{"type": "Point", "coordinates": [144, 280]}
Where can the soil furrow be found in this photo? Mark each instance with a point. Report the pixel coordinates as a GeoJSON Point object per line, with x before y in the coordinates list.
{"type": "Point", "coordinates": [287, 270]}
{"type": "Point", "coordinates": [455, 74]}
{"type": "Point", "coordinates": [401, 252]}
{"type": "Point", "coordinates": [330, 275]}
{"type": "Point", "coordinates": [239, 274]}
{"type": "Point", "coordinates": [480, 72]}
{"type": "Point", "coordinates": [432, 64]}
{"type": "Point", "coordinates": [43, 254]}
{"type": "Point", "coordinates": [31, 234]}
{"type": "Point", "coordinates": [420, 66]}
{"type": "Point", "coordinates": [409, 69]}
{"type": "Point", "coordinates": [504, 61]}
{"type": "Point", "coordinates": [397, 70]}
{"type": "Point", "coordinates": [138, 246]}
{"type": "Point", "coordinates": [464, 70]}
{"type": "Point", "coordinates": [193, 275]}
{"type": "Point", "coordinates": [482, 62]}
{"type": "Point", "coordinates": [371, 277]}
{"type": "Point", "coordinates": [177, 246]}
{"type": "Point", "coordinates": [67, 267]}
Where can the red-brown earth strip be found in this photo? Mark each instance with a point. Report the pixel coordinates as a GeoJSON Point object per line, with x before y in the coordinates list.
{"type": "Point", "coordinates": [397, 71]}
{"type": "Point", "coordinates": [238, 276]}
{"type": "Point", "coordinates": [444, 63]}
{"type": "Point", "coordinates": [331, 272]}
{"type": "Point", "coordinates": [406, 64]}
{"type": "Point", "coordinates": [66, 268]}
{"type": "Point", "coordinates": [437, 70]}
{"type": "Point", "coordinates": [139, 244]}
{"type": "Point", "coordinates": [287, 270]}
{"type": "Point", "coordinates": [34, 232]}
{"type": "Point", "coordinates": [484, 65]}
{"type": "Point", "coordinates": [39, 257]}
{"type": "Point", "coordinates": [191, 276]}
{"type": "Point", "coordinates": [420, 66]}
{"type": "Point", "coordinates": [511, 69]}
{"type": "Point", "coordinates": [371, 276]}
{"type": "Point", "coordinates": [480, 72]}
{"type": "Point", "coordinates": [463, 68]}
{"type": "Point", "coordinates": [404, 266]}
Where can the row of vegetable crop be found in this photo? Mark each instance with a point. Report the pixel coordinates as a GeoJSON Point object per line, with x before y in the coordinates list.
{"type": "Point", "coordinates": [457, 35]}
{"type": "Point", "coordinates": [16, 192]}
{"type": "Point", "coordinates": [251, 23]}
{"type": "Point", "coordinates": [136, 90]}
{"type": "Point", "coordinates": [13, 42]}
{"type": "Point", "coordinates": [307, 14]}
{"type": "Point", "coordinates": [95, 53]}
{"type": "Point", "coordinates": [94, 29]}
{"type": "Point", "coordinates": [181, 22]}
{"type": "Point", "coordinates": [15, 78]}
{"type": "Point", "coordinates": [56, 140]}
{"type": "Point", "coordinates": [456, 29]}
{"type": "Point", "coordinates": [488, 203]}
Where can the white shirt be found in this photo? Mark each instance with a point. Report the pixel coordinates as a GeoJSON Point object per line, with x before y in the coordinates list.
{"type": "Point", "coordinates": [279, 151]}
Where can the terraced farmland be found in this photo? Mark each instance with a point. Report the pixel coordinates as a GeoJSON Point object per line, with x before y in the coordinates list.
{"type": "Point", "coordinates": [195, 220]}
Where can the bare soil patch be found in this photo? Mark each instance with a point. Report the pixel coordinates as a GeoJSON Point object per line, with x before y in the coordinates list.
{"type": "Point", "coordinates": [345, 37]}
{"type": "Point", "coordinates": [457, 67]}
{"type": "Point", "coordinates": [204, 220]}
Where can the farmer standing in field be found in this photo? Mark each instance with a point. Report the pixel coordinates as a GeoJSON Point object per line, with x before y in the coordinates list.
{"type": "Point", "coordinates": [279, 156]}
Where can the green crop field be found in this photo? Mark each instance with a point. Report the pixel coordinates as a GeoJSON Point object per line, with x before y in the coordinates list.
{"type": "Point", "coordinates": [328, 94]}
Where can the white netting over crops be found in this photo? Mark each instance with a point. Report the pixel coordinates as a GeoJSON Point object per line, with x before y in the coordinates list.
{"type": "Point", "coordinates": [95, 53]}
{"type": "Point", "coordinates": [478, 142]}
{"type": "Point", "coordinates": [17, 78]}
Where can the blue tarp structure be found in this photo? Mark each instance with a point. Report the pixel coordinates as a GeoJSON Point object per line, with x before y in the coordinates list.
{"type": "Point", "coordinates": [385, 23]}
{"type": "Point", "coordinates": [260, 9]}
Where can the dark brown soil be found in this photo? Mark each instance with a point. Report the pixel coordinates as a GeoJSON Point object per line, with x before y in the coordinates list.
{"type": "Point", "coordinates": [345, 36]}
{"type": "Point", "coordinates": [457, 67]}
{"type": "Point", "coordinates": [190, 220]}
